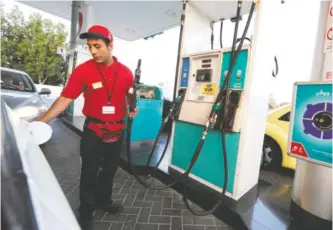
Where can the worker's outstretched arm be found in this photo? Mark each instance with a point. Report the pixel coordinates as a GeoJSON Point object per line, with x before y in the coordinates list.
{"type": "Point", "coordinates": [72, 90]}
{"type": "Point", "coordinates": [57, 108]}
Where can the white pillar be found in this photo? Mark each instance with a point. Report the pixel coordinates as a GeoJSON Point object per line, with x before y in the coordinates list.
{"type": "Point", "coordinates": [312, 188]}
{"type": "Point", "coordinates": [76, 6]}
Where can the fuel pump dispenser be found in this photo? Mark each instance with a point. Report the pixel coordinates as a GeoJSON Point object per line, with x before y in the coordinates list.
{"type": "Point", "coordinates": [207, 141]}
{"type": "Point", "coordinates": [214, 91]}
{"type": "Point", "coordinates": [216, 119]}
{"type": "Point", "coordinates": [212, 133]}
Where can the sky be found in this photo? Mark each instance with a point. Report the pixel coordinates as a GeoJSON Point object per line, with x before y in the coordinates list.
{"type": "Point", "coordinates": [294, 48]}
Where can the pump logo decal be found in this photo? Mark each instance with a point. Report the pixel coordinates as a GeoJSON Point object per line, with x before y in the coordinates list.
{"type": "Point", "coordinates": [208, 89]}
{"type": "Point", "coordinates": [317, 120]}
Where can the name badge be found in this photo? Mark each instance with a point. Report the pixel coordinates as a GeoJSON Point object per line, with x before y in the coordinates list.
{"type": "Point", "coordinates": [97, 85]}
{"type": "Point", "coordinates": [108, 110]}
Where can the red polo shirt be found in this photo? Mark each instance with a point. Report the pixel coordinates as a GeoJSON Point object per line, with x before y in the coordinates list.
{"type": "Point", "coordinates": [87, 79]}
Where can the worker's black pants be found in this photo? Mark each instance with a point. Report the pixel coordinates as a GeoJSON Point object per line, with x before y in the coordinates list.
{"type": "Point", "coordinates": [99, 165]}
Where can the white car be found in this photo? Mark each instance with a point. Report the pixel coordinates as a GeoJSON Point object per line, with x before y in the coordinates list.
{"type": "Point", "coordinates": [21, 94]}
{"type": "Point", "coordinates": [31, 197]}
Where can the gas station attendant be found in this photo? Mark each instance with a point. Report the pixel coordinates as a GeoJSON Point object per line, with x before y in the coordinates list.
{"type": "Point", "coordinates": [105, 84]}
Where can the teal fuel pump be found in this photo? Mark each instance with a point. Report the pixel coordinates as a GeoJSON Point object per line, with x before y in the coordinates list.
{"type": "Point", "coordinates": [222, 116]}
{"type": "Point", "coordinates": [149, 100]}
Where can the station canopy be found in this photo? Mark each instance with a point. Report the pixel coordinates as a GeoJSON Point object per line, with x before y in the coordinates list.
{"type": "Point", "coordinates": [132, 20]}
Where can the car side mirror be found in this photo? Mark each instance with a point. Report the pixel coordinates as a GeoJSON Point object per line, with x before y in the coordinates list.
{"type": "Point", "coordinates": [44, 91]}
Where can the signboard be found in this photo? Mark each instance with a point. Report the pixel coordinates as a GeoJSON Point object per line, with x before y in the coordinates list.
{"type": "Point", "coordinates": [310, 132]}
{"type": "Point", "coordinates": [329, 31]}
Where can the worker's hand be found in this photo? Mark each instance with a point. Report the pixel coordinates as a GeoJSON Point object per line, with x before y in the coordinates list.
{"type": "Point", "coordinates": [133, 114]}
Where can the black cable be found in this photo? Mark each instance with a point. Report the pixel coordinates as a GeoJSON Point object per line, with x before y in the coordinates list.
{"type": "Point", "coordinates": [224, 113]}
{"type": "Point", "coordinates": [182, 21]}
{"type": "Point", "coordinates": [130, 162]}
{"type": "Point", "coordinates": [239, 7]}
{"type": "Point", "coordinates": [165, 121]}
{"type": "Point", "coordinates": [186, 202]}
{"type": "Point", "coordinates": [130, 122]}
{"type": "Point", "coordinates": [246, 38]}
{"type": "Point", "coordinates": [274, 74]}
{"type": "Point", "coordinates": [238, 50]}
{"type": "Point", "coordinates": [129, 155]}
{"type": "Point", "coordinates": [212, 36]}
{"type": "Point", "coordinates": [144, 183]}
{"type": "Point", "coordinates": [198, 149]}
{"type": "Point", "coordinates": [221, 33]}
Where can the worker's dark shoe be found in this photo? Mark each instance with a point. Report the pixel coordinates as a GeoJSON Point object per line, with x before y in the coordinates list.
{"type": "Point", "coordinates": [86, 223]}
{"type": "Point", "coordinates": [85, 219]}
{"type": "Point", "coordinates": [111, 207]}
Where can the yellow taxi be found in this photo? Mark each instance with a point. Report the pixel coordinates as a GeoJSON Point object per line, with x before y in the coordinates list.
{"type": "Point", "coordinates": [276, 140]}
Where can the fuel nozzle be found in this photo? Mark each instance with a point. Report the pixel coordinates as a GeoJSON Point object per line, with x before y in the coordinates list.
{"type": "Point", "coordinates": [214, 115]}
{"type": "Point", "coordinates": [137, 76]}
{"type": "Point", "coordinates": [217, 106]}
{"type": "Point", "coordinates": [180, 97]}
{"type": "Point", "coordinates": [178, 103]}
{"type": "Point", "coordinates": [137, 73]}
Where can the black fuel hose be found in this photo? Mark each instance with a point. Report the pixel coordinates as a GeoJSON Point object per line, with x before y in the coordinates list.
{"type": "Point", "coordinates": [190, 166]}
{"type": "Point", "coordinates": [212, 36]}
{"type": "Point", "coordinates": [165, 121]}
{"type": "Point", "coordinates": [246, 38]}
{"type": "Point", "coordinates": [143, 182]}
{"type": "Point", "coordinates": [129, 152]}
{"type": "Point", "coordinates": [162, 187]}
{"type": "Point", "coordinates": [276, 72]}
{"type": "Point", "coordinates": [225, 85]}
{"type": "Point", "coordinates": [130, 122]}
{"type": "Point", "coordinates": [130, 162]}
{"type": "Point", "coordinates": [182, 21]}
{"type": "Point", "coordinates": [129, 155]}
{"type": "Point", "coordinates": [221, 34]}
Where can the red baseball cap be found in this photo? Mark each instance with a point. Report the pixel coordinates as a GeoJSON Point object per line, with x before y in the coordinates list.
{"type": "Point", "coordinates": [97, 31]}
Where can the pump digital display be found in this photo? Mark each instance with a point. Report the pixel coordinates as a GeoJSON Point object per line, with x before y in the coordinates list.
{"type": "Point", "coordinates": [204, 75]}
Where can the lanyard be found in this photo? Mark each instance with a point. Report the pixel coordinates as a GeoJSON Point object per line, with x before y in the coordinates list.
{"type": "Point", "coordinates": [106, 85]}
